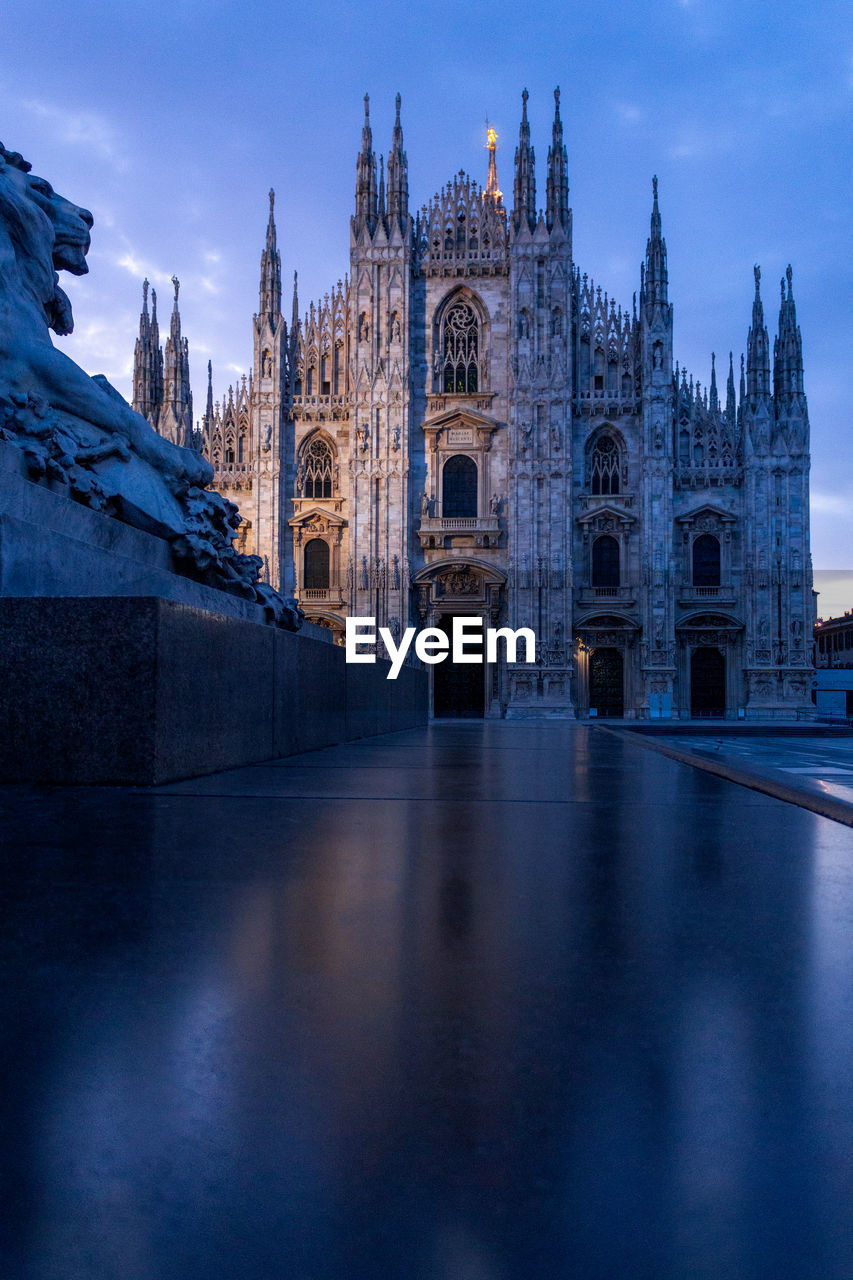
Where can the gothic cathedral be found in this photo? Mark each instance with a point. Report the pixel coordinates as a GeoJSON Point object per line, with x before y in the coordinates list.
{"type": "Point", "coordinates": [469, 425]}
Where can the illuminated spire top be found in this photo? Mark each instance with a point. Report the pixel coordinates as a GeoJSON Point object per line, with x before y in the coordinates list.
{"type": "Point", "coordinates": [492, 188]}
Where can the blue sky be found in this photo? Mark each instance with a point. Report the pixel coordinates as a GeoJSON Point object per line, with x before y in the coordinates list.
{"type": "Point", "coordinates": [171, 122]}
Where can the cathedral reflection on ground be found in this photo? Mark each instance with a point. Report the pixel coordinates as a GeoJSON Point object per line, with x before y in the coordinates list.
{"type": "Point", "coordinates": [487, 1000]}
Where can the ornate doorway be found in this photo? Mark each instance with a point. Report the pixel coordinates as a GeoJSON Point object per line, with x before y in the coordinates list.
{"type": "Point", "coordinates": [458, 689]}
{"type": "Point", "coordinates": [707, 682]}
{"type": "Point", "coordinates": [607, 683]}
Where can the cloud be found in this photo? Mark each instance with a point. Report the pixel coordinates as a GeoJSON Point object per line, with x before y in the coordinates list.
{"type": "Point", "coordinates": [129, 261]}
{"type": "Point", "coordinates": [82, 128]}
{"type": "Point", "coordinates": [831, 504]}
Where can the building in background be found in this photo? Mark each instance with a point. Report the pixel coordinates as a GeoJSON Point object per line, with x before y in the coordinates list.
{"type": "Point", "coordinates": [833, 661]}
{"type": "Point", "coordinates": [469, 425]}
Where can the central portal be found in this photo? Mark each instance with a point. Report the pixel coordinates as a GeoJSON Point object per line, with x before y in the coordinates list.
{"type": "Point", "coordinates": [707, 682]}
{"type": "Point", "coordinates": [458, 688]}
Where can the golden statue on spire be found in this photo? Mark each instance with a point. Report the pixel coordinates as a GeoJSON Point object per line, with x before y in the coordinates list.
{"type": "Point", "coordinates": [492, 188]}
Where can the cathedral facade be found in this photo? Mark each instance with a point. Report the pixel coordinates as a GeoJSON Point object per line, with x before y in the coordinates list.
{"type": "Point", "coordinates": [469, 425]}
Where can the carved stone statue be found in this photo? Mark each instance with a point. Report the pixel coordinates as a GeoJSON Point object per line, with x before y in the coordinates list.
{"type": "Point", "coordinates": [77, 433]}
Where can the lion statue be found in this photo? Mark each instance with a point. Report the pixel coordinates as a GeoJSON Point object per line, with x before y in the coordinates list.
{"type": "Point", "coordinates": [77, 433]}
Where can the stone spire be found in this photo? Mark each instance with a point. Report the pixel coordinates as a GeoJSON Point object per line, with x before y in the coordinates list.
{"type": "Point", "coordinates": [294, 312]}
{"type": "Point", "coordinates": [381, 202]}
{"type": "Point", "coordinates": [788, 347]}
{"type": "Point", "coordinates": [270, 288]}
{"type": "Point", "coordinates": [731, 403]}
{"type": "Point", "coordinates": [757, 346]}
{"type": "Point", "coordinates": [177, 416]}
{"type": "Point", "coordinates": [742, 387]}
{"type": "Point", "coordinates": [148, 362]}
{"type": "Point", "coordinates": [713, 398]}
{"type": "Point", "coordinates": [294, 329]}
{"type": "Point", "coordinates": [365, 182]}
{"type": "Point", "coordinates": [208, 412]}
{"type": "Point", "coordinates": [557, 194]}
{"type": "Point", "coordinates": [656, 279]}
{"type": "Point", "coordinates": [524, 183]}
{"type": "Point", "coordinates": [398, 176]}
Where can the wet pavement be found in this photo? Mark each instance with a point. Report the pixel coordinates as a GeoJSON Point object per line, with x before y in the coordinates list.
{"type": "Point", "coordinates": [487, 1001]}
{"type": "Point", "coordinates": [818, 765]}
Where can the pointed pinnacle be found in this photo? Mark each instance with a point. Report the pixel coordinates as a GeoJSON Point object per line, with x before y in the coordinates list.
{"type": "Point", "coordinates": [397, 101]}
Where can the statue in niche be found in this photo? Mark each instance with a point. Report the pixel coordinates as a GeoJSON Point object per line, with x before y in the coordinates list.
{"type": "Point", "coordinates": [77, 431]}
{"type": "Point", "coordinates": [495, 504]}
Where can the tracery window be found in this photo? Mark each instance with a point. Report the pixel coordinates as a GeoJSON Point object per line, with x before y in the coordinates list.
{"type": "Point", "coordinates": [460, 348]}
{"type": "Point", "coordinates": [318, 463]}
{"type": "Point", "coordinates": [604, 468]}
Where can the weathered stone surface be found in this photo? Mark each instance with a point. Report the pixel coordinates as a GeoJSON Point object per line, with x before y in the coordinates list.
{"type": "Point", "coordinates": [144, 690]}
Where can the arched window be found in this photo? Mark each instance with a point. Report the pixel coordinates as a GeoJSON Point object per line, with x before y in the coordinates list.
{"type": "Point", "coordinates": [460, 349]}
{"type": "Point", "coordinates": [316, 565]}
{"type": "Point", "coordinates": [604, 468]}
{"type": "Point", "coordinates": [459, 487]}
{"type": "Point", "coordinates": [318, 463]}
{"type": "Point", "coordinates": [605, 562]}
{"type": "Point", "coordinates": [706, 561]}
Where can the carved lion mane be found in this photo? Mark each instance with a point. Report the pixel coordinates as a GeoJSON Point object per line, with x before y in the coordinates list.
{"type": "Point", "coordinates": [42, 233]}
{"type": "Point", "coordinates": [76, 432]}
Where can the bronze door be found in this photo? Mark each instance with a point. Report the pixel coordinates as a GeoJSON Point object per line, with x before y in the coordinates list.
{"type": "Point", "coordinates": [707, 683]}
{"type": "Point", "coordinates": [606, 683]}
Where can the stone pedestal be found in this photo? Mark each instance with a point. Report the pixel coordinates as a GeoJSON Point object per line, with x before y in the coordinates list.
{"type": "Point", "coordinates": [140, 690]}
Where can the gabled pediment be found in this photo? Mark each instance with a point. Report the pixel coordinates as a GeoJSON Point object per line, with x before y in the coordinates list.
{"type": "Point", "coordinates": [602, 517]}
{"type": "Point", "coordinates": [461, 416]}
{"type": "Point", "coordinates": [705, 512]}
{"type": "Point", "coordinates": [317, 517]}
